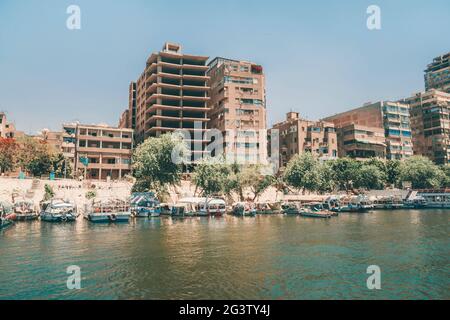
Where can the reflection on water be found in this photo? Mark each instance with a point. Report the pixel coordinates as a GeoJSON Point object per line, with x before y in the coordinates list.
{"type": "Point", "coordinates": [267, 257]}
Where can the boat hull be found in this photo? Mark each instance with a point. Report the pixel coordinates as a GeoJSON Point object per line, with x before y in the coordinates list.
{"type": "Point", "coordinates": [27, 217]}
{"type": "Point", "coordinates": [5, 223]}
{"type": "Point", "coordinates": [109, 218]}
{"type": "Point", "coordinates": [57, 218]}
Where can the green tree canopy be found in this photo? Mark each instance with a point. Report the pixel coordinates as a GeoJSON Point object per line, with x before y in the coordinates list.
{"type": "Point", "coordinates": [303, 172]}
{"type": "Point", "coordinates": [370, 176]}
{"type": "Point", "coordinates": [154, 165]}
{"type": "Point", "coordinates": [421, 172]}
{"type": "Point", "coordinates": [211, 175]}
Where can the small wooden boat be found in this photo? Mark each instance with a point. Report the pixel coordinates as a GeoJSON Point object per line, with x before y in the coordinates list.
{"type": "Point", "coordinates": [4, 221]}
{"type": "Point", "coordinates": [315, 210]}
{"type": "Point", "coordinates": [58, 210]}
{"type": "Point", "coordinates": [144, 205]}
{"type": "Point", "coordinates": [243, 209]}
{"type": "Point", "coordinates": [291, 208]}
{"type": "Point", "coordinates": [109, 211]}
{"type": "Point", "coordinates": [25, 210]}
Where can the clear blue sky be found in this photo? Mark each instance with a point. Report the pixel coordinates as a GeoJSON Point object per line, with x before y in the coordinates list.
{"type": "Point", "coordinates": [319, 57]}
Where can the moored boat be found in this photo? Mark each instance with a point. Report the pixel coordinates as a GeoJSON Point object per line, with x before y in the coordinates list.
{"type": "Point", "coordinates": [243, 209]}
{"type": "Point", "coordinates": [4, 221]}
{"type": "Point", "coordinates": [388, 203]}
{"type": "Point", "coordinates": [355, 204]}
{"type": "Point", "coordinates": [315, 210]}
{"type": "Point", "coordinates": [25, 210]}
{"type": "Point", "coordinates": [109, 211]}
{"type": "Point", "coordinates": [144, 205]}
{"type": "Point", "coordinates": [291, 208]}
{"type": "Point", "coordinates": [436, 199]}
{"type": "Point", "coordinates": [58, 210]}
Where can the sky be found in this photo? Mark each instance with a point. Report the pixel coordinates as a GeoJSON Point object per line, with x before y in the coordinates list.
{"type": "Point", "coordinates": [319, 57]}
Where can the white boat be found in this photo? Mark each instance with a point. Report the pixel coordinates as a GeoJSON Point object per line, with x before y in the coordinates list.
{"type": "Point", "coordinates": [25, 210]}
{"type": "Point", "coordinates": [108, 211]}
{"type": "Point", "coordinates": [58, 210]}
{"type": "Point", "coordinates": [436, 199]}
{"type": "Point", "coordinates": [203, 207]}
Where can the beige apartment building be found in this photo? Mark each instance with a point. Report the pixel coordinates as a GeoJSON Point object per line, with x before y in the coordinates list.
{"type": "Point", "coordinates": [361, 142]}
{"type": "Point", "coordinates": [437, 74]}
{"type": "Point", "coordinates": [392, 117]}
{"type": "Point", "coordinates": [430, 124]}
{"type": "Point", "coordinates": [238, 108]}
{"type": "Point", "coordinates": [128, 117]}
{"type": "Point", "coordinates": [172, 94]}
{"type": "Point", "coordinates": [7, 129]}
{"type": "Point", "coordinates": [52, 138]}
{"type": "Point", "coordinates": [98, 152]}
{"type": "Point", "coordinates": [297, 135]}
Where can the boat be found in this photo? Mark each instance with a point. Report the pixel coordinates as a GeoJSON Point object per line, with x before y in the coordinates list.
{"type": "Point", "coordinates": [181, 210]}
{"type": "Point", "coordinates": [203, 207]}
{"type": "Point", "coordinates": [165, 209]}
{"type": "Point", "coordinates": [358, 204]}
{"type": "Point", "coordinates": [4, 221]}
{"type": "Point", "coordinates": [388, 203]}
{"type": "Point", "coordinates": [217, 207]}
{"type": "Point", "coordinates": [25, 210]}
{"type": "Point", "coordinates": [414, 201]}
{"type": "Point", "coordinates": [315, 210]}
{"type": "Point", "coordinates": [108, 211]}
{"type": "Point", "coordinates": [144, 205]}
{"type": "Point", "coordinates": [58, 210]}
{"type": "Point", "coordinates": [436, 199]}
{"type": "Point", "coordinates": [7, 212]}
{"type": "Point", "coordinates": [243, 209]}
{"type": "Point", "coordinates": [291, 208]}
{"type": "Point", "coordinates": [264, 208]}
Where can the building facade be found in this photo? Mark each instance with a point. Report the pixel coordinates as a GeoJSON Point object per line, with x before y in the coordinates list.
{"type": "Point", "coordinates": [393, 117]}
{"type": "Point", "coordinates": [124, 121]}
{"type": "Point", "coordinates": [172, 94]}
{"type": "Point", "coordinates": [361, 142]}
{"type": "Point", "coordinates": [7, 129]}
{"type": "Point", "coordinates": [297, 135]}
{"type": "Point", "coordinates": [437, 74]}
{"type": "Point", "coordinates": [430, 123]}
{"type": "Point", "coordinates": [238, 109]}
{"type": "Point", "coordinates": [98, 152]}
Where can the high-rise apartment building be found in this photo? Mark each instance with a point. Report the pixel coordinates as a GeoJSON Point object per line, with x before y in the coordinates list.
{"type": "Point", "coordinates": [238, 108]}
{"type": "Point", "coordinates": [393, 117]}
{"type": "Point", "coordinates": [361, 142]}
{"type": "Point", "coordinates": [297, 135]}
{"type": "Point", "coordinates": [437, 74]}
{"type": "Point", "coordinates": [98, 151]}
{"type": "Point", "coordinates": [124, 121]}
{"type": "Point", "coordinates": [430, 124]}
{"type": "Point", "coordinates": [171, 94]}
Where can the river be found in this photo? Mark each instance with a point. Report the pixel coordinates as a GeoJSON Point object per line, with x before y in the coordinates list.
{"type": "Point", "coordinates": [266, 257]}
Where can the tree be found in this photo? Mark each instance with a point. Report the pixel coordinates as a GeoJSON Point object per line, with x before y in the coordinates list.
{"type": "Point", "coordinates": [153, 165]}
{"type": "Point", "coordinates": [8, 153]}
{"type": "Point", "coordinates": [303, 172]}
{"type": "Point", "coordinates": [34, 156]}
{"type": "Point", "coordinates": [251, 177]}
{"type": "Point", "coordinates": [48, 193]}
{"type": "Point", "coordinates": [421, 172]}
{"type": "Point", "coordinates": [211, 175]}
{"type": "Point", "coordinates": [327, 177]}
{"type": "Point", "coordinates": [446, 171]}
{"type": "Point", "coordinates": [393, 171]}
{"type": "Point", "coordinates": [345, 172]}
{"type": "Point", "coordinates": [60, 166]}
{"type": "Point", "coordinates": [370, 176]}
